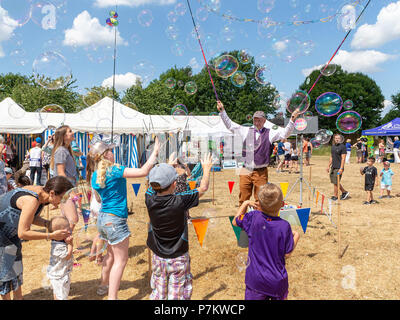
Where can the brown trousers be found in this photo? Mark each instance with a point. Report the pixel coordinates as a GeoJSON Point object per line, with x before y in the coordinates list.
{"type": "Point", "coordinates": [248, 180]}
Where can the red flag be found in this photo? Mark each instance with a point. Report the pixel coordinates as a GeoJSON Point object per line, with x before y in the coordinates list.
{"type": "Point", "coordinates": [231, 183]}
{"type": "Point", "coordinates": [322, 203]}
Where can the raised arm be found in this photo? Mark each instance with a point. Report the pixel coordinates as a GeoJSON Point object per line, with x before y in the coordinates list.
{"type": "Point", "coordinates": [229, 124]}
{"type": "Point", "coordinates": [283, 133]}
{"type": "Point", "coordinates": [207, 165]}
{"type": "Point", "coordinates": [145, 169]}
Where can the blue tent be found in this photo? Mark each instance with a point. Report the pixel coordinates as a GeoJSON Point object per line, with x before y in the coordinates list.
{"type": "Point", "coordinates": [391, 128]}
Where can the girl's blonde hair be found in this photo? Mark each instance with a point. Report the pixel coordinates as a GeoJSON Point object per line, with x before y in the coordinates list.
{"type": "Point", "coordinates": [59, 142]}
{"type": "Point", "coordinates": [101, 165]}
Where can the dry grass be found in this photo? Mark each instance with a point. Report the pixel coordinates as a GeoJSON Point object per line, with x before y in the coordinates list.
{"type": "Point", "coordinates": [315, 271]}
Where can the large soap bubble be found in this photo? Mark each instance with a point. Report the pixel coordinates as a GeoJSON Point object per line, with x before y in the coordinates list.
{"type": "Point", "coordinates": [299, 100]}
{"type": "Point", "coordinates": [51, 70]}
{"type": "Point", "coordinates": [179, 112]}
{"type": "Point", "coordinates": [263, 75]}
{"type": "Point", "coordinates": [52, 116]}
{"type": "Point", "coordinates": [349, 122]}
{"type": "Point", "coordinates": [239, 79]}
{"type": "Point", "coordinates": [226, 65]}
{"type": "Point", "coordinates": [328, 104]}
{"type": "Point", "coordinates": [18, 11]}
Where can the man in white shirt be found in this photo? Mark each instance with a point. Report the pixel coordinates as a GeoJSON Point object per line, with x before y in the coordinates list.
{"type": "Point", "coordinates": [257, 146]}
{"type": "Point", "coordinates": [287, 148]}
{"type": "Point", "coordinates": [35, 163]}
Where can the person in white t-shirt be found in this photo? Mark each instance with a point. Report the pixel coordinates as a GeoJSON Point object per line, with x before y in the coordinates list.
{"type": "Point", "coordinates": [287, 148]}
{"type": "Point", "coordinates": [35, 163]}
{"type": "Point", "coordinates": [294, 158]}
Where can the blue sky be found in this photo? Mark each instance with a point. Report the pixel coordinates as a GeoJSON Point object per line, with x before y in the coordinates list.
{"type": "Point", "coordinates": [80, 34]}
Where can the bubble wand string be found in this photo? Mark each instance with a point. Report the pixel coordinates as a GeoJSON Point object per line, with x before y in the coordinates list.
{"type": "Point", "coordinates": [202, 51]}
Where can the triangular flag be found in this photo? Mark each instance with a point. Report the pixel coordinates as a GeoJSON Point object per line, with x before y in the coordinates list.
{"type": "Point", "coordinates": [243, 240]}
{"type": "Point", "coordinates": [284, 187]}
{"type": "Point", "coordinates": [303, 215]}
{"type": "Point", "coordinates": [230, 184]}
{"type": "Point", "coordinates": [236, 229]}
{"type": "Point", "coordinates": [136, 187]}
{"type": "Point", "coordinates": [290, 216]}
{"type": "Point", "coordinates": [200, 226]}
{"type": "Point", "coordinates": [192, 185]}
{"type": "Point", "coordinates": [316, 200]}
{"type": "Point", "coordinates": [85, 215]}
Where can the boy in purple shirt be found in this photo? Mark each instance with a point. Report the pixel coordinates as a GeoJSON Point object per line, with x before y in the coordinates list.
{"type": "Point", "coordinates": [271, 240]}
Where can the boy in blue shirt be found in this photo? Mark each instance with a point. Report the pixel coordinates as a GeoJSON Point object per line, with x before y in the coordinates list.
{"type": "Point", "coordinates": [386, 181]}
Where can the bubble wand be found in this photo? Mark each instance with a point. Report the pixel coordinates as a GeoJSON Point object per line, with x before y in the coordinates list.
{"type": "Point", "coordinates": [202, 51]}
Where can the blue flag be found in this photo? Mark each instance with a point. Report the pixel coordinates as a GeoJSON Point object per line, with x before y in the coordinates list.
{"type": "Point", "coordinates": [136, 187]}
{"type": "Point", "coordinates": [303, 215]}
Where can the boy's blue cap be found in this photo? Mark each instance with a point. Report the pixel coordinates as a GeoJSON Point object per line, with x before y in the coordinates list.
{"type": "Point", "coordinates": [163, 174]}
{"type": "Point", "coordinates": [38, 140]}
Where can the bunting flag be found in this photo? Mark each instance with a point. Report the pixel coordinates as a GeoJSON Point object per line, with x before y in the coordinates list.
{"type": "Point", "coordinates": [284, 187]}
{"type": "Point", "coordinates": [200, 227]}
{"type": "Point", "coordinates": [322, 203]}
{"type": "Point", "coordinates": [236, 229]}
{"type": "Point", "coordinates": [192, 184]}
{"type": "Point", "coordinates": [85, 215]}
{"type": "Point", "coordinates": [296, 217]}
{"type": "Point", "coordinates": [230, 184]}
{"type": "Point", "coordinates": [303, 215]}
{"type": "Point", "coordinates": [316, 201]}
{"type": "Point", "coordinates": [136, 187]}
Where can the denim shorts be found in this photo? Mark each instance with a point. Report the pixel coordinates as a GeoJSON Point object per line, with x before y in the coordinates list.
{"type": "Point", "coordinates": [112, 229]}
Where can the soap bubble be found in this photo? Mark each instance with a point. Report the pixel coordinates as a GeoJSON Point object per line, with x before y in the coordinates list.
{"type": "Point", "coordinates": [209, 214]}
{"type": "Point", "coordinates": [130, 113]}
{"type": "Point", "coordinates": [180, 83]}
{"type": "Point", "coordinates": [44, 14]}
{"type": "Point", "coordinates": [315, 143]}
{"type": "Point", "coordinates": [52, 116]}
{"type": "Point", "coordinates": [145, 18]}
{"type": "Point", "coordinates": [179, 112]}
{"type": "Point", "coordinates": [88, 241]}
{"type": "Point", "coordinates": [244, 56]}
{"type": "Point", "coordinates": [227, 34]}
{"type": "Point", "coordinates": [172, 16]}
{"type": "Point", "coordinates": [177, 48]}
{"type": "Point", "coordinates": [300, 124]}
{"type": "Point", "coordinates": [242, 261]}
{"type": "Point", "coordinates": [328, 104]}
{"type": "Point", "coordinates": [135, 39]}
{"type": "Point", "coordinates": [287, 49]}
{"type": "Point", "coordinates": [19, 57]}
{"type": "Point", "coordinates": [308, 114]}
{"type": "Point", "coordinates": [328, 69]}
{"type": "Point", "coordinates": [51, 70]}
{"type": "Point", "coordinates": [213, 5]}
{"type": "Point", "coordinates": [145, 70]}
{"type": "Point", "coordinates": [170, 83]}
{"type": "Point", "coordinates": [16, 111]}
{"type": "Point", "coordinates": [323, 136]}
{"type": "Point", "coordinates": [226, 65]}
{"type": "Point", "coordinates": [349, 122]}
{"type": "Point", "coordinates": [263, 75]}
{"type": "Point", "coordinates": [267, 28]}
{"type": "Point", "coordinates": [202, 14]}
{"type": "Point", "coordinates": [265, 6]}
{"type": "Point", "coordinates": [18, 11]}
{"type": "Point", "coordinates": [212, 43]}
{"type": "Point", "coordinates": [346, 19]}
{"type": "Point", "coordinates": [180, 9]}
{"type": "Point", "coordinates": [239, 79]}
{"type": "Point", "coordinates": [190, 87]}
{"type": "Point", "coordinates": [299, 100]}
{"type": "Point", "coordinates": [172, 32]}
{"type": "Point", "coordinates": [348, 104]}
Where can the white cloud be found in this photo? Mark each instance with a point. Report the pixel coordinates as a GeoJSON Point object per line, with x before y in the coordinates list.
{"type": "Point", "coordinates": [386, 29]}
{"type": "Point", "coordinates": [357, 61]}
{"type": "Point", "coordinates": [89, 31]}
{"type": "Point", "coordinates": [7, 26]}
{"type": "Point", "coordinates": [122, 81]}
{"type": "Point", "coordinates": [132, 3]}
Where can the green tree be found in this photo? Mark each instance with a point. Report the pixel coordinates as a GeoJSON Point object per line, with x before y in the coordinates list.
{"type": "Point", "coordinates": [363, 91]}
{"type": "Point", "coordinates": [395, 111]}
{"type": "Point", "coordinates": [26, 92]}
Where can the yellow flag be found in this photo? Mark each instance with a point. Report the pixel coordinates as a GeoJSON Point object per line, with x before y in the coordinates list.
{"type": "Point", "coordinates": [284, 187]}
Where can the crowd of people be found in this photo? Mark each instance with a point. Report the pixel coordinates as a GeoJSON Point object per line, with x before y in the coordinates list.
{"type": "Point", "coordinates": [168, 200]}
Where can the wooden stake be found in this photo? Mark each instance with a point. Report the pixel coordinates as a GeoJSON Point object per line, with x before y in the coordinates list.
{"type": "Point", "coordinates": [309, 191]}
{"type": "Point", "coordinates": [213, 188]}
{"type": "Point", "coordinates": [338, 212]}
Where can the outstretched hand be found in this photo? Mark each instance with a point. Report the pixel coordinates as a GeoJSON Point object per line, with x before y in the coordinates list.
{"type": "Point", "coordinates": [207, 162]}
{"type": "Point", "coordinates": [157, 145]}
{"type": "Point", "coordinates": [220, 106]}
{"type": "Point", "coordinates": [172, 159]}
{"type": "Point", "coordinates": [295, 114]}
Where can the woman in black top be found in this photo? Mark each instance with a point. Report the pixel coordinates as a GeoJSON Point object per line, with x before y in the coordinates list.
{"type": "Point", "coordinates": [19, 209]}
{"type": "Point", "coordinates": [358, 145]}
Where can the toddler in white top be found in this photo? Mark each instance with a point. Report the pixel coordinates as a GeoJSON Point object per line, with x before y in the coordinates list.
{"type": "Point", "coordinates": [61, 260]}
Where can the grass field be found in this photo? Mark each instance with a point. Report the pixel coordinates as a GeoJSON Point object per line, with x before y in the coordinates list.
{"type": "Point", "coordinates": [368, 268]}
